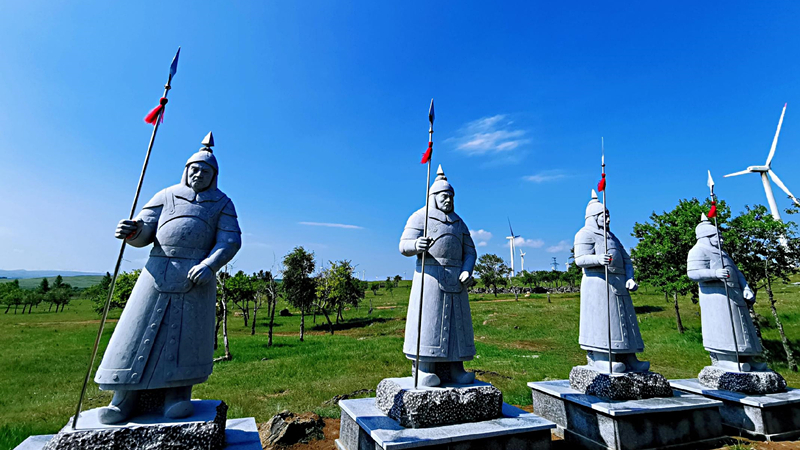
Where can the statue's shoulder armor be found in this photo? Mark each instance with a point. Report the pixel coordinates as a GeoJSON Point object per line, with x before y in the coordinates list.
{"type": "Point", "coordinates": [158, 200]}
{"type": "Point", "coordinates": [417, 220]}
{"type": "Point", "coordinates": [585, 236]}
{"type": "Point", "coordinates": [228, 219]}
{"type": "Point", "coordinates": [699, 253]}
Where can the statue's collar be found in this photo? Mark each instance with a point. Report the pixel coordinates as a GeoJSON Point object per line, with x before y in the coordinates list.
{"type": "Point", "coordinates": [435, 213]}
{"type": "Point", "coordinates": [599, 231]}
{"type": "Point", "coordinates": [188, 194]}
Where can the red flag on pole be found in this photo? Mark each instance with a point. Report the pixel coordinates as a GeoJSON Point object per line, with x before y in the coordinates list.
{"type": "Point", "coordinates": [427, 156]}
{"type": "Point", "coordinates": [601, 185]}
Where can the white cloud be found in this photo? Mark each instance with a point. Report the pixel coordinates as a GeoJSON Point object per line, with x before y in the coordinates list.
{"type": "Point", "coordinates": [483, 244]}
{"type": "Point", "coordinates": [480, 237]}
{"type": "Point", "coordinates": [545, 176]}
{"type": "Point", "coordinates": [522, 242]}
{"type": "Point", "coordinates": [332, 225]}
{"type": "Point", "coordinates": [562, 246]}
{"type": "Point", "coordinates": [489, 135]}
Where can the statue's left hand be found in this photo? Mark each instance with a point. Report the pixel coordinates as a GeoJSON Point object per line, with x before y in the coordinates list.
{"type": "Point", "coordinates": [466, 278]}
{"type": "Point", "coordinates": [201, 274]}
{"type": "Point", "coordinates": [631, 285]}
{"type": "Point", "coordinates": [748, 295]}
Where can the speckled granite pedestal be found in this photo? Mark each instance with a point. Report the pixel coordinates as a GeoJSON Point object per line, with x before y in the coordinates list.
{"type": "Point", "coordinates": [773, 417]}
{"type": "Point", "coordinates": [364, 426]}
{"type": "Point", "coordinates": [681, 421]}
{"type": "Point", "coordinates": [206, 429]}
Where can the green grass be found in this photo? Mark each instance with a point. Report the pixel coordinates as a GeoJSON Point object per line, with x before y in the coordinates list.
{"type": "Point", "coordinates": [44, 354]}
{"type": "Point", "coordinates": [80, 281]}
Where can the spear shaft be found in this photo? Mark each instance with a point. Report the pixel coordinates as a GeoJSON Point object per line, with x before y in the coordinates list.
{"type": "Point", "coordinates": [727, 293]}
{"type": "Point", "coordinates": [605, 266]}
{"type": "Point", "coordinates": [107, 305]}
{"type": "Point", "coordinates": [422, 279]}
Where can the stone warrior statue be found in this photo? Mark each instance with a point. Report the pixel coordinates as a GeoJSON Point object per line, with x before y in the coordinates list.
{"type": "Point", "coordinates": [703, 266]}
{"type": "Point", "coordinates": [165, 336]}
{"type": "Point", "coordinates": [591, 255]}
{"type": "Point", "coordinates": [447, 335]}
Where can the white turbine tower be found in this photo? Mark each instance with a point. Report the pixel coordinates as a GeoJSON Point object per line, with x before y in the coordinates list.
{"type": "Point", "coordinates": [511, 246]}
{"type": "Point", "coordinates": [522, 261]}
{"type": "Point", "coordinates": [766, 169]}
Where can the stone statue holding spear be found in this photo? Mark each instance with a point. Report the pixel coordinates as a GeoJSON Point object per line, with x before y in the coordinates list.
{"type": "Point", "coordinates": [439, 323]}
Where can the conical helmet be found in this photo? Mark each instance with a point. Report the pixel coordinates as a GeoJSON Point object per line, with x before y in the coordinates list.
{"type": "Point", "coordinates": [205, 154]}
{"type": "Point", "coordinates": [594, 208]}
{"type": "Point", "coordinates": [705, 228]}
{"type": "Point", "coordinates": [441, 184]}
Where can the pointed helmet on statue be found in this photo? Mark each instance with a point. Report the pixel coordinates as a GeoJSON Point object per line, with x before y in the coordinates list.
{"type": "Point", "coordinates": [594, 208]}
{"type": "Point", "coordinates": [441, 184]}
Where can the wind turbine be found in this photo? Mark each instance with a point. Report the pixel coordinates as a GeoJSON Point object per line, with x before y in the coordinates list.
{"type": "Point", "coordinates": [511, 245]}
{"type": "Point", "coordinates": [522, 261]}
{"type": "Point", "coordinates": [766, 169]}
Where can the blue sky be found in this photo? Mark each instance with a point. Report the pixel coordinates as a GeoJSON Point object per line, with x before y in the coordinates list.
{"type": "Point", "coordinates": [319, 110]}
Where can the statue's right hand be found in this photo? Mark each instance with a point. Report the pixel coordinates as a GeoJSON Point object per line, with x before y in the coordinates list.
{"type": "Point", "coordinates": [126, 228]}
{"type": "Point", "coordinates": [422, 244]}
{"type": "Point", "coordinates": [723, 274]}
{"type": "Point", "coordinates": [605, 259]}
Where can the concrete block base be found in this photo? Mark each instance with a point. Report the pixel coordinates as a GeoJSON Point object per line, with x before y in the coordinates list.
{"type": "Point", "coordinates": [771, 417]}
{"type": "Point", "coordinates": [364, 426]}
{"type": "Point", "coordinates": [681, 421]}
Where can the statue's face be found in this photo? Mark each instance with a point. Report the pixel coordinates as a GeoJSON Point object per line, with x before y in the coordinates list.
{"type": "Point", "coordinates": [200, 176]}
{"type": "Point", "coordinates": [601, 218]}
{"type": "Point", "coordinates": [444, 202]}
{"type": "Point", "coordinates": [714, 241]}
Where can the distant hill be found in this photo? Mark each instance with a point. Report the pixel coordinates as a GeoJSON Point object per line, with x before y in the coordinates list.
{"type": "Point", "coordinates": [79, 281]}
{"type": "Point", "coordinates": [42, 273]}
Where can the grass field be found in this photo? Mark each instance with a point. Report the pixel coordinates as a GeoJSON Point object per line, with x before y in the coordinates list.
{"type": "Point", "coordinates": [44, 354]}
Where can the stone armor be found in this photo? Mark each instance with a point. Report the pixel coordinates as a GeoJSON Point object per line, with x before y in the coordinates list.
{"type": "Point", "coordinates": [165, 336]}
{"type": "Point", "coordinates": [447, 333]}
{"type": "Point", "coordinates": [702, 264]}
{"type": "Point", "coordinates": [625, 335]}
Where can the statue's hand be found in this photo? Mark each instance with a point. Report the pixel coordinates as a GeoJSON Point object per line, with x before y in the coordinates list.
{"type": "Point", "coordinates": [605, 259]}
{"type": "Point", "coordinates": [466, 278]}
{"type": "Point", "coordinates": [722, 274]}
{"type": "Point", "coordinates": [200, 274]}
{"type": "Point", "coordinates": [631, 285]}
{"type": "Point", "coordinates": [748, 295]}
{"type": "Point", "coordinates": [127, 228]}
{"type": "Point", "coordinates": [422, 244]}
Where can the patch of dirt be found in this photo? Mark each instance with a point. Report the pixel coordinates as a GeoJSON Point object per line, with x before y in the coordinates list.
{"type": "Point", "coordinates": [331, 432]}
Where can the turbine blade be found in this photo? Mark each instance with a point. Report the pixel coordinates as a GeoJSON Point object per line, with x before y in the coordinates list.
{"type": "Point", "coordinates": [775, 140]}
{"type": "Point", "coordinates": [735, 174]}
{"type": "Point", "coordinates": [780, 184]}
{"type": "Point", "coordinates": [509, 226]}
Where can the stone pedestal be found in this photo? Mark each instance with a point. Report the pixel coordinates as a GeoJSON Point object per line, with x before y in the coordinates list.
{"type": "Point", "coordinates": [757, 383]}
{"type": "Point", "coordinates": [619, 386]}
{"type": "Point", "coordinates": [206, 429]}
{"type": "Point", "coordinates": [681, 421]}
{"type": "Point", "coordinates": [364, 426]}
{"type": "Point", "coordinates": [435, 406]}
{"type": "Point", "coordinates": [774, 417]}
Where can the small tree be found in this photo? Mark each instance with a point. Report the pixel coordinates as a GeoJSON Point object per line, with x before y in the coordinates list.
{"type": "Point", "coordinates": [389, 285]}
{"type": "Point", "coordinates": [240, 291]}
{"type": "Point", "coordinates": [298, 286]}
{"type": "Point", "coordinates": [397, 280]}
{"type": "Point", "coordinates": [222, 313]}
{"type": "Point", "coordinates": [375, 287]}
{"type": "Point", "coordinates": [527, 278]}
{"type": "Point", "coordinates": [98, 293]}
{"type": "Point", "coordinates": [492, 271]}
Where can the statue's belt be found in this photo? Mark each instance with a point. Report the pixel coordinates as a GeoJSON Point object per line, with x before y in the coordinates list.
{"type": "Point", "coordinates": [719, 283]}
{"type": "Point", "coordinates": [169, 251]}
{"type": "Point", "coordinates": [433, 261]}
{"type": "Point", "coordinates": [602, 270]}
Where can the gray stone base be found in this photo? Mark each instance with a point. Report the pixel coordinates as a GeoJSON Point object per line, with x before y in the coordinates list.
{"type": "Point", "coordinates": [364, 426]}
{"type": "Point", "coordinates": [681, 421]}
{"type": "Point", "coordinates": [435, 406]}
{"type": "Point", "coordinates": [240, 434]}
{"type": "Point", "coordinates": [622, 386]}
{"type": "Point", "coordinates": [204, 429]}
{"type": "Point", "coordinates": [759, 383]}
{"type": "Point", "coordinates": [773, 417]}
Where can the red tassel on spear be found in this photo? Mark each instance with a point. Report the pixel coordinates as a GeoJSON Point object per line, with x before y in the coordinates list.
{"type": "Point", "coordinates": [601, 185]}
{"type": "Point", "coordinates": [153, 115]}
{"type": "Point", "coordinates": [427, 156]}
{"type": "Point", "coordinates": [713, 211]}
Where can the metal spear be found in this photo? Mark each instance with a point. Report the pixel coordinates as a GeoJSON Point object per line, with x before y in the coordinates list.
{"type": "Point", "coordinates": [605, 240]}
{"type": "Point", "coordinates": [173, 69]}
{"type": "Point", "coordinates": [431, 117]}
{"type": "Point", "coordinates": [722, 264]}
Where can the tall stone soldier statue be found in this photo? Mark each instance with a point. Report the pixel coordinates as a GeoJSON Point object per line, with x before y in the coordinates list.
{"type": "Point", "coordinates": [704, 267]}
{"type": "Point", "coordinates": [165, 336]}
{"type": "Point", "coordinates": [592, 256]}
{"type": "Point", "coordinates": [447, 335]}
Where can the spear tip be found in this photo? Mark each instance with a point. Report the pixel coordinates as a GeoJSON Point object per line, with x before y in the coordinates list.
{"type": "Point", "coordinates": [431, 115]}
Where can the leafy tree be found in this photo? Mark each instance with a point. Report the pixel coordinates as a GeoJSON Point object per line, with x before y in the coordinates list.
{"type": "Point", "coordinates": [44, 286]}
{"type": "Point", "coordinates": [375, 287]}
{"type": "Point", "coordinates": [492, 271]}
{"type": "Point", "coordinates": [59, 297]}
{"type": "Point", "coordinates": [58, 282]}
{"type": "Point", "coordinates": [298, 286]}
{"type": "Point", "coordinates": [337, 288]}
{"type": "Point", "coordinates": [573, 273]}
{"type": "Point", "coordinates": [12, 295]}
{"type": "Point", "coordinates": [765, 250]}
{"type": "Point", "coordinates": [98, 293]}
{"type": "Point", "coordinates": [664, 242]}
{"type": "Point", "coordinates": [30, 299]}
{"type": "Point", "coordinates": [397, 280]}
{"type": "Point", "coordinates": [527, 278]}
{"type": "Point", "coordinates": [266, 288]}
{"type": "Point", "coordinates": [240, 291]}
{"type": "Point", "coordinates": [389, 285]}
{"type": "Point", "coordinates": [222, 313]}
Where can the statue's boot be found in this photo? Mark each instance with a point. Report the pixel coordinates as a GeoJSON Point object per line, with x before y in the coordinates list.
{"type": "Point", "coordinates": [177, 402]}
{"type": "Point", "coordinates": [599, 362]}
{"type": "Point", "coordinates": [119, 409]}
{"type": "Point", "coordinates": [632, 363]}
{"type": "Point", "coordinates": [729, 363]}
{"type": "Point", "coordinates": [460, 376]}
{"type": "Point", "coordinates": [427, 374]}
